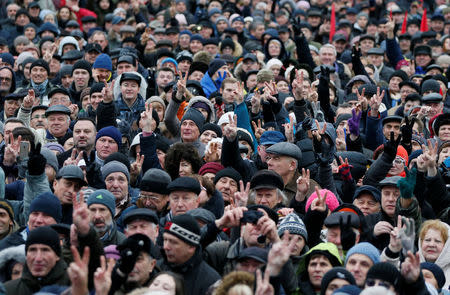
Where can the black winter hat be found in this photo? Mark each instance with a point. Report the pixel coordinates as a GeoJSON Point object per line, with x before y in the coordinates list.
{"type": "Point", "coordinates": [228, 172]}
{"type": "Point", "coordinates": [227, 42]}
{"type": "Point", "coordinates": [337, 272]}
{"type": "Point", "coordinates": [185, 184]}
{"type": "Point", "coordinates": [82, 64]}
{"type": "Point", "coordinates": [184, 227]}
{"type": "Point", "coordinates": [156, 181]}
{"type": "Point", "coordinates": [430, 85]}
{"type": "Point", "coordinates": [44, 235]}
{"type": "Point", "coordinates": [215, 65]}
{"type": "Point", "coordinates": [40, 63]}
{"type": "Point", "coordinates": [386, 272]}
{"type": "Point", "coordinates": [97, 87]}
{"type": "Point", "coordinates": [399, 73]}
{"type": "Point", "coordinates": [212, 127]}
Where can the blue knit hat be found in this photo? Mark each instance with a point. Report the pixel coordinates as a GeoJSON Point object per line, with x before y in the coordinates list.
{"type": "Point", "coordinates": [169, 59]}
{"type": "Point", "coordinates": [103, 61]}
{"type": "Point", "coordinates": [112, 132]}
{"type": "Point", "coordinates": [366, 249]}
{"type": "Point", "coordinates": [8, 58]}
{"type": "Point", "coordinates": [347, 290]}
{"type": "Point", "coordinates": [105, 198]}
{"type": "Point", "coordinates": [294, 225]}
{"type": "Point", "coordinates": [49, 204]}
{"type": "Point", "coordinates": [437, 272]}
{"type": "Point", "coordinates": [186, 32]}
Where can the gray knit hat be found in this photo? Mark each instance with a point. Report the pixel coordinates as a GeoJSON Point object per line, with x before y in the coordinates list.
{"type": "Point", "coordinates": [294, 225]}
{"type": "Point", "coordinates": [105, 198]}
{"type": "Point", "coordinates": [115, 166]}
{"type": "Point", "coordinates": [51, 158]}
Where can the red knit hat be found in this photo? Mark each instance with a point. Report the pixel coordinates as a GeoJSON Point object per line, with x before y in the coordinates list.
{"type": "Point", "coordinates": [210, 167]}
{"type": "Point", "coordinates": [401, 152]}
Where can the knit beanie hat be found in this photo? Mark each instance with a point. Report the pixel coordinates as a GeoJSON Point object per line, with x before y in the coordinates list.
{"type": "Point", "coordinates": [8, 58]}
{"type": "Point", "coordinates": [51, 158]}
{"type": "Point", "coordinates": [347, 290]}
{"type": "Point", "coordinates": [96, 87]}
{"type": "Point", "coordinates": [337, 272]}
{"type": "Point", "coordinates": [212, 127]}
{"type": "Point", "coordinates": [44, 235]}
{"type": "Point", "coordinates": [114, 166]}
{"type": "Point", "coordinates": [430, 85]}
{"type": "Point", "coordinates": [49, 204]}
{"type": "Point", "coordinates": [156, 181]}
{"type": "Point", "coordinates": [85, 91]}
{"type": "Point", "coordinates": [414, 155]}
{"type": "Point", "coordinates": [366, 249]}
{"type": "Point", "coordinates": [82, 64]}
{"type": "Point", "coordinates": [401, 152]}
{"type": "Point", "coordinates": [194, 115]}
{"type": "Point", "coordinates": [331, 200]}
{"type": "Point", "coordinates": [386, 272]}
{"type": "Point", "coordinates": [4, 204]}
{"type": "Point", "coordinates": [184, 227]}
{"type": "Point", "coordinates": [227, 42]}
{"type": "Point", "coordinates": [210, 167]}
{"type": "Point", "coordinates": [215, 65]}
{"type": "Point", "coordinates": [294, 225]}
{"type": "Point", "coordinates": [105, 198]}
{"type": "Point", "coordinates": [228, 172]}
{"type": "Point", "coordinates": [53, 146]}
{"type": "Point", "coordinates": [40, 63]}
{"type": "Point", "coordinates": [112, 132]}
{"type": "Point", "coordinates": [103, 61]}
{"type": "Point", "coordinates": [437, 272]}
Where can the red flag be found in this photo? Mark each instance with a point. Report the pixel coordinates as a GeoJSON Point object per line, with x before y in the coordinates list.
{"type": "Point", "coordinates": [333, 22]}
{"type": "Point", "coordinates": [390, 15]}
{"type": "Point", "coordinates": [405, 21]}
{"type": "Point", "coordinates": [424, 22]}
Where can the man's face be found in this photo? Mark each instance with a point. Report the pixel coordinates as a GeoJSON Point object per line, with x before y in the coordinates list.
{"type": "Point", "coordinates": [367, 204]}
{"type": "Point", "coordinates": [422, 60]}
{"type": "Point", "coordinates": [389, 196]}
{"type": "Point", "coordinates": [339, 45]}
{"type": "Point", "coordinates": [251, 82]}
{"type": "Point", "coordinates": [81, 78]}
{"type": "Point", "coordinates": [117, 184]}
{"type": "Point", "coordinates": [11, 10]}
{"type": "Point", "coordinates": [5, 81]}
{"type": "Point", "coordinates": [22, 20]}
{"type": "Point", "coordinates": [391, 127]}
{"type": "Point", "coordinates": [41, 259]}
{"type": "Point", "coordinates": [184, 40]}
{"type": "Point", "coordinates": [153, 201]}
{"type": "Point", "coordinates": [358, 265]}
{"type": "Point", "coordinates": [100, 217]}
{"type": "Point", "coordinates": [327, 56]}
{"type": "Point", "coordinates": [91, 56]}
{"type": "Point", "coordinates": [58, 124]}
{"type": "Point", "coordinates": [60, 98]}
{"type": "Point", "coordinates": [101, 40]}
{"type": "Point", "coordinates": [66, 189]}
{"type": "Point", "coordinates": [189, 131]}
{"type": "Point", "coordinates": [84, 135]}
{"type": "Point", "coordinates": [318, 266]}
{"type": "Point", "coordinates": [124, 67]}
{"type": "Point", "coordinates": [88, 26]}
{"type": "Point", "coordinates": [39, 74]}
{"type": "Point", "coordinates": [280, 164]}
{"type": "Point", "coordinates": [9, 127]}
{"type": "Point", "coordinates": [101, 74]}
{"type": "Point", "coordinates": [314, 21]}
{"type": "Point", "coordinates": [212, 49]}
{"type": "Point", "coordinates": [66, 81]}
{"type": "Point", "coordinates": [249, 265]}
{"type": "Point", "coordinates": [10, 106]}
{"type": "Point", "coordinates": [228, 92]}
{"type": "Point", "coordinates": [366, 44]}
{"type": "Point", "coordinates": [176, 250]}
{"type": "Point", "coordinates": [141, 226]}
{"type": "Point", "coordinates": [196, 76]}
{"type": "Point", "coordinates": [184, 66]}
{"type": "Point", "coordinates": [376, 59]}
{"type": "Point", "coordinates": [142, 268]}
{"type": "Point", "coordinates": [105, 146]}
{"type": "Point", "coordinates": [409, 105]}
{"type": "Point", "coordinates": [5, 222]}
{"type": "Point", "coordinates": [38, 219]}
{"type": "Point", "coordinates": [394, 83]}
{"type": "Point", "coordinates": [267, 197]}
{"type": "Point", "coordinates": [181, 202]}
{"type": "Point", "coordinates": [239, 26]}
{"type": "Point", "coordinates": [436, 108]}
{"type": "Point", "coordinates": [195, 46]}
{"type": "Point", "coordinates": [227, 186]}
{"type": "Point", "coordinates": [95, 99]}
{"type": "Point", "coordinates": [129, 89]}
{"type": "Point", "coordinates": [164, 78]}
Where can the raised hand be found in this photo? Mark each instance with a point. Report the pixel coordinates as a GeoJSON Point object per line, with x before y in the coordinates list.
{"type": "Point", "coordinates": [230, 130]}
{"type": "Point", "coordinates": [181, 85]}
{"type": "Point", "coordinates": [256, 102]}
{"type": "Point", "coordinates": [108, 92]}
{"type": "Point", "coordinates": [407, 131]}
{"type": "Point", "coordinates": [353, 122]}
{"type": "Point", "coordinates": [341, 144]}
{"type": "Point", "coordinates": [375, 102]}
{"type": "Point", "coordinates": [12, 150]}
{"type": "Point", "coordinates": [212, 154]}
{"type": "Point", "coordinates": [407, 184]}
{"type": "Point", "coordinates": [319, 132]}
{"type": "Point", "coordinates": [395, 242]}
{"type": "Point", "coordinates": [280, 252]}
{"type": "Point", "coordinates": [73, 111]}
{"type": "Point", "coordinates": [231, 218]}
{"type": "Point", "coordinates": [325, 73]}
{"type": "Point", "coordinates": [258, 129]}
{"type": "Point", "coordinates": [136, 167]}
{"type": "Point", "coordinates": [147, 118]}
{"type": "Point", "coordinates": [382, 227]}
{"type": "Point", "coordinates": [271, 87]}
{"type": "Point", "coordinates": [30, 100]}
{"type": "Point", "coordinates": [74, 158]}
{"type": "Point", "coordinates": [289, 131]}
{"type": "Point", "coordinates": [263, 286]}
{"type": "Point", "coordinates": [356, 50]}
{"type": "Point", "coordinates": [431, 154]}
{"type": "Point", "coordinates": [267, 227]}
{"type": "Point", "coordinates": [348, 236]}
{"type": "Point", "coordinates": [297, 85]}
{"type": "Point", "coordinates": [390, 147]}
{"type": "Point", "coordinates": [102, 277]}
{"type": "Point", "coordinates": [241, 197]}
{"type": "Point", "coordinates": [36, 161]}
{"type": "Point", "coordinates": [296, 26]}
{"type": "Point", "coordinates": [239, 93]}
{"type": "Point", "coordinates": [80, 215]}
{"type": "Point", "coordinates": [345, 169]}
{"type": "Point", "coordinates": [407, 234]}
{"type": "Point", "coordinates": [303, 185]}
{"type": "Point", "coordinates": [78, 271]}
{"type": "Point", "coordinates": [362, 99]}
{"type": "Point", "coordinates": [411, 267]}
{"type": "Point", "coordinates": [319, 203]}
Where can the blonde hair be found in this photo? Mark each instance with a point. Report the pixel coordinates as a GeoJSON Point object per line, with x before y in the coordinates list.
{"type": "Point", "coordinates": [435, 224]}
{"type": "Point", "coordinates": [235, 279]}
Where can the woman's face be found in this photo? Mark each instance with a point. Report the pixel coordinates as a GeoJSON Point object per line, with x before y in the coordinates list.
{"type": "Point", "coordinates": [30, 33]}
{"type": "Point", "coordinates": [185, 168]}
{"type": "Point", "coordinates": [85, 102]}
{"type": "Point", "coordinates": [20, 47]}
{"type": "Point", "coordinates": [49, 18]}
{"type": "Point", "coordinates": [104, 4]}
{"type": "Point", "coordinates": [444, 154]}
{"type": "Point", "coordinates": [16, 272]}
{"type": "Point", "coordinates": [274, 49]}
{"type": "Point", "coordinates": [275, 70]}
{"type": "Point", "coordinates": [64, 13]}
{"type": "Point", "coordinates": [432, 245]}
{"type": "Point", "coordinates": [163, 283]}
{"type": "Point", "coordinates": [283, 87]}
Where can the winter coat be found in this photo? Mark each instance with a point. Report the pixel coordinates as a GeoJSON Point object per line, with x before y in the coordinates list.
{"type": "Point", "coordinates": [7, 256]}
{"type": "Point", "coordinates": [28, 284]}
{"type": "Point", "coordinates": [197, 274]}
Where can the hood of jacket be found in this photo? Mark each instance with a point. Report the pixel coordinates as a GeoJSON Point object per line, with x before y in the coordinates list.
{"type": "Point", "coordinates": [328, 249]}
{"type": "Point", "coordinates": [283, 53]}
{"type": "Point", "coordinates": [348, 87]}
{"type": "Point", "coordinates": [16, 253]}
{"type": "Point", "coordinates": [67, 40]}
{"type": "Point", "coordinates": [212, 113]}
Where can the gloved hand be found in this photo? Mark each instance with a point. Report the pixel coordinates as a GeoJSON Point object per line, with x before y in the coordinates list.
{"type": "Point", "coordinates": [325, 73]}
{"type": "Point", "coordinates": [317, 111]}
{"type": "Point", "coordinates": [353, 123]}
{"type": "Point", "coordinates": [129, 251]}
{"type": "Point", "coordinates": [296, 26]}
{"type": "Point", "coordinates": [348, 236]}
{"type": "Point", "coordinates": [36, 161]}
{"type": "Point", "coordinates": [407, 184]}
{"type": "Point", "coordinates": [220, 79]}
{"type": "Point", "coordinates": [408, 235]}
{"type": "Point", "coordinates": [356, 51]}
{"type": "Point", "coordinates": [307, 124]}
{"type": "Point", "coordinates": [407, 131]}
{"type": "Point", "coordinates": [390, 147]}
{"type": "Point", "coordinates": [345, 172]}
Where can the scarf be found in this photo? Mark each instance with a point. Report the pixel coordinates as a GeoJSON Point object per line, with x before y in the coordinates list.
{"type": "Point", "coordinates": [40, 88]}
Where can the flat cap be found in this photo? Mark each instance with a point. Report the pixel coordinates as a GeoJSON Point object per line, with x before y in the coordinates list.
{"type": "Point", "coordinates": [93, 47]}
{"type": "Point", "coordinates": [58, 90]}
{"type": "Point", "coordinates": [334, 219]}
{"type": "Point", "coordinates": [57, 109]}
{"type": "Point", "coordinates": [266, 179]}
{"type": "Point", "coordinates": [422, 49]}
{"type": "Point", "coordinates": [432, 98]}
{"type": "Point", "coordinates": [185, 184]}
{"type": "Point", "coordinates": [88, 19]}
{"type": "Point", "coordinates": [286, 149]}
{"type": "Point", "coordinates": [141, 213]}
{"type": "Point", "coordinates": [389, 181]}
{"type": "Point", "coordinates": [392, 118]}
{"type": "Point", "coordinates": [256, 253]}
{"type": "Point", "coordinates": [130, 77]}
{"type": "Point", "coordinates": [71, 172]}
{"type": "Point", "coordinates": [72, 55]}
{"type": "Point", "coordinates": [376, 51]}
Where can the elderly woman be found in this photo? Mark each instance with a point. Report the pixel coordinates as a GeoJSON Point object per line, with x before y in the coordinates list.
{"type": "Point", "coordinates": [434, 246]}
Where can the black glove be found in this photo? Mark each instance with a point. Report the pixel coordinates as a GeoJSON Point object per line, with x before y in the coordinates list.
{"type": "Point", "coordinates": [296, 26]}
{"type": "Point", "coordinates": [348, 236]}
{"type": "Point", "coordinates": [325, 73]}
{"type": "Point", "coordinates": [130, 250]}
{"type": "Point", "coordinates": [407, 131]}
{"type": "Point", "coordinates": [390, 147]}
{"type": "Point", "coordinates": [36, 161]}
{"type": "Point", "coordinates": [356, 51]}
{"type": "Point", "coordinates": [307, 124]}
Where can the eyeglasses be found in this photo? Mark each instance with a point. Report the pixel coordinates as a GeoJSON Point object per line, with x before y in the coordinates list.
{"type": "Point", "coordinates": [399, 160]}
{"type": "Point", "coordinates": [149, 197]}
{"type": "Point", "coordinates": [373, 282]}
{"type": "Point", "coordinates": [39, 117]}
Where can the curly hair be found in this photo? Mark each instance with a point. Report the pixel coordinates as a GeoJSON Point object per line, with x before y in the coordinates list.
{"type": "Point", "coordinates": [182, 151]}
{"type": "Point", "coordinates": [235, 278]}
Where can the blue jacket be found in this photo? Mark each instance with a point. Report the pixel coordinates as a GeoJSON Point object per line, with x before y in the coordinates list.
{"type": "Point", "coordinates": [208, 85]}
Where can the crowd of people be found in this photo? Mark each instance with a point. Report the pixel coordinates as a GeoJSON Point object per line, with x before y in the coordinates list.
{"type": "Point", "coordinates": [224, 147]}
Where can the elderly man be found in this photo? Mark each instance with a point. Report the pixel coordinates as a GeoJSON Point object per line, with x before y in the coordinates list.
{"type": "Point", "coordinates": [44, 265]}
{"type": "Point", "coordinates": [141, 221]}
{"type": "Point", "coordinates": [183, 195]}
{"type": "Point", "coordinates": [153, 191]}
{"type": "Point", "coordinates": [39, 73]}
{"type": "Point", "coordinates": [101, 205]}
{"type": "Point", "coordinates": [267, 186]}
{"type": "Point", "coordinates": [11, 105]}
{"type": "Point", "coordinates": [441, 127]}
{"type": "Point", "coordinates": [8, 81]}
{"type": "Point", "coordinates": [360, 259]}
{"type": "Point", "coordinates": [367, 198]}
{"type": "Point", "coordinates": [58, 118]}
{"type": "Point", "coordinates": [38, 119]}
{"type": "Point", "coordinates": [227, 183]}
{"type": "Point", "coordinates": [183, 254]}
